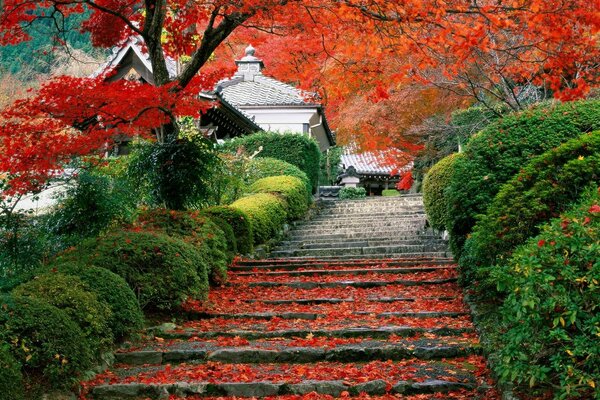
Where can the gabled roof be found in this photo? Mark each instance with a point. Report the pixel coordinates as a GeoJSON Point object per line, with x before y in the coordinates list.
{"type": "Point", "coordinates": [261, 91]}
{"type": "Point", "coordinates": [134, 46]}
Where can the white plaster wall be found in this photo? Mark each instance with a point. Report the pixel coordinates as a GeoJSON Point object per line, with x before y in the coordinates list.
{"type": "Point", "coordinates": [281, 120]}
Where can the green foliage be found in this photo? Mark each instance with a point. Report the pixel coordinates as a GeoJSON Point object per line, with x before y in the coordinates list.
{"type": "Point", "coordinates": [127, 317]}
{"type": "Point", "coordinates": [92, 205]}
{"type": "Point", "coordinates": [542, 190]}
{"type": "Point", "coordinates": [495, 154]}
{"type": "Point", "coordinates": [266, 213]}
{"type": "Point", "coordinates": [291, 189]}
{"type": "Point", "coordinates": [350, 193]}
{"type": "Point", "coordinates": [390, 193]}
{"type": "Point", "coordinates": [444, 138]}
{"type": "Point", "coordinates": [239, 222]}
{"type": "Point", "coordinates": [69, 293]}
{"type": "Point", "coordinates": [11, 378]}
{"type": "Point", "coordinates": [44, 339]}
{"type": "Point", "coordinates": [330, 166]}
{"type": "Point", "coordinates": [435, 184]}
{"type": "Point", "coordinates": [197, 230]}
{"type": "Point", "coordinates": [551, 312]}
{"type": "Point", "coordinates": [176, 174]}
{"type": "Point", "coordinates": [162, 271]}
{"type": "Point", "coordinates": [299, 150]}
{"type": "Point", "coordinates": [264, 167]}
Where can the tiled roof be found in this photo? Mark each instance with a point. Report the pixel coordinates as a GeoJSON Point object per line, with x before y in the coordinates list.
{"type": "Point", "coordinates": [261, 91]}
{"type": "Point", "coordinates": [369, 163]}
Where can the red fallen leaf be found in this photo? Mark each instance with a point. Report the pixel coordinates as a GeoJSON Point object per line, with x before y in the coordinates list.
{"type": "Point", "coordinates": [594, 209]}
{"type": "Point", "coordinates": [541, 243]}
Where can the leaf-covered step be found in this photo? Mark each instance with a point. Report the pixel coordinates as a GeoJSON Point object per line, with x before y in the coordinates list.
{"type": "Point", "coordinates": [260, 380]}
{"type": "Point", "coordinates": [357, 284]}
{"type": "Point", "coordinates": [314, 316]}
{"type": "Point", "coordinates": [350, 271]}
{"type": "Point", "coordinates": [348, 300]}
{"type": "Point", "coordinates": [380, 331]}
{"type": "Point", "coordinates": [292, 264]}
{"type": "Point", "coordinates": [290, 351]}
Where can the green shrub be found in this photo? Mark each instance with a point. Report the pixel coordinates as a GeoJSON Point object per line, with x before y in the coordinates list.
{"type": "Point", "coordinates": [239, 222]}
{"type": "Point", "coordinates": [197, 230]}
{"type": "Point", "coordinates": [551, 312]}
{"type": "Point", "coordinates": [69, 293]}
{"type": "Point", "coordinates": [44, 339]}
{"type": "Point", "coordinates": [90, 206]}
{"type": "Point", "coordinates": [350, 193]}
{"type": "Point", "coordinates": [162, 271]}
{"type": "Point", "coordinates": [264, 167]}
{"type": "Point", "coordinates": [299, 150]}
{"type": "Point", "coordinates": [110, 288]}
{"type": "Point", "coordinates": [497, 153]}
{"type": "Point", "coordinates": [390, 193]}
{"type": "Point", "coordinates": [435, 184]}
{"type": "Point", "coordinates": [266, 213]}
{"type": "Point", "coordinates": [330, 166]}
{"type": "Point", "coordinates": [177, 174]}
{"type": "Point", "coordinates": [541, 191]}
{"type": "Point", "coordinates": [291, 189]}
{"type": "Point", "coordinates": [11, 378]}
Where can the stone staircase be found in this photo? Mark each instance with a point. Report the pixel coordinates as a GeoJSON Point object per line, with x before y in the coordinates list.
{"type": "Point", "coordinates": [382, 227]}
{"type": "Point", "coordinates": [317, 325]}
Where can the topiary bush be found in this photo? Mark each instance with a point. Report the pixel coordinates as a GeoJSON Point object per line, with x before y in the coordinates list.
{"type": "Point", "coordinates": [436, 182]}
{"type": "Point", "coordinates": [550, 344]}
{"type": "Point", "coordinates": [68, 293]}
{"type": "Point", "coordinates": [291, 189]}
{"type": "Point", "coordinates": [127, 317]}
{"type": "Point", "coordinates": [11, 377]}
{"type": "Point", "coordinates": [199, 231]}
{"type": "Point", "coordinates": [495, 154]}
{"type": "Point", "coordinates": [299, 150]}
{"type": "Point", "coordinates": [44, 339]}
{"type": "Point", "coordinates": [239, 222]}
{"type": "Point", "coordinates": [543, 189]}
{"type": "Point", "coordinates": [266, 212]}
{"type": "Point", "coordinates": [162, 271]}
{"type": "Point", "coordinates": [390, 193]}
{"type": "Point", "coordinates": [264, 167]}
{"type": "Point", "coordinates": [351, 193]}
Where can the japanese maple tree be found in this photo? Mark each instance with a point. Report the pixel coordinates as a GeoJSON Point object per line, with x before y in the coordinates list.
{"type": "Point", "coordinates": [365, 50]}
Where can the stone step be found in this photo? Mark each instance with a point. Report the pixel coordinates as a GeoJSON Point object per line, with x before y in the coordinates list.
{"type": "Point", "coordinates": [372, 206]}
{"type": "Point", "coordinates": [262, 352]}
{"type": "Point", "coordinates": [269, 263]}
{"type": "Point", "coordinates": [317, 301]}
{"type": "Point", "coordinates": [308, 316]}
{"type": "Point", "coordinates": [340, 251]}
{"type": "Point", "coordinates": [369, 234]}
{"type": "Point", "coordinates": [373, 224]}
{"type": "Point", "coordinates": [356, 284]}
{"type": "Point", "coordinates": [404, 213]}
{"type": "Point", "coordinates": [380, 332]}
{"type": "Point", "coordinates": [436, 254]}
{"type": "Point", "coordinates": [327, 244]}
{"type": "Point", "coordinates": [352, 271]}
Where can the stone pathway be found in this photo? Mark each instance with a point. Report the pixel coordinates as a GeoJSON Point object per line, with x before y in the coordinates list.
{"type": "Point", "coordinates": [316, 328]}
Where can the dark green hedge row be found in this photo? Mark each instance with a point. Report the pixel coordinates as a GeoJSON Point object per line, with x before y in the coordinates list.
{"type": "Point", "coordinates": [550, 325]}
{"type": "Point", "coordinates": [495, 154]}
{"type": "Point", "coordinates": [299, 150]}
{"type": "Point", "coordinates": [547, 186]}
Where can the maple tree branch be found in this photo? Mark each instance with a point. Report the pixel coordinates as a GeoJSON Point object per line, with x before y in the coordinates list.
{"type": "Point", "coordinates": [114, 13]}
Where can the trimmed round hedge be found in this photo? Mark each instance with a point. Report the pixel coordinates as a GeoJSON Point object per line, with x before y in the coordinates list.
{"type": "Point", "coordinates": [11, 378]}
{"type": "Point", "coordinates": [436, 181]}
{"type": "Point", "coordinates": [299, 150]}
{"type": "Point", "coordinates": [127, 317]}
{"type": "Point", "coordinates": [70, 294]}
{"type": "Point", "coordinates": [550, 316]}
{"type": "Point", "coordinates": [44, 339]}
{"type": "Point", "coordinates": [264, 167]}
{"type": "Point", "coordinates": [239, 222]}
{"type": "Point", "coordinates": [541, 191]}
{"type": "Point", "coordinates": [290, 188]}
{"type": "Point", "coordinates": [266, 212]}
{"type": "Point", "coordinates": [163, 271]}
{"type": "Point", "coordinates": [200, 231]}
{"type": "Point", "coordinates": [495, 154]}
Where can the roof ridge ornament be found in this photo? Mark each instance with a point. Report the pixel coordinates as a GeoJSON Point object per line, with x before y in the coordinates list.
{"type": "Point", "coordinates": [249, 66]}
